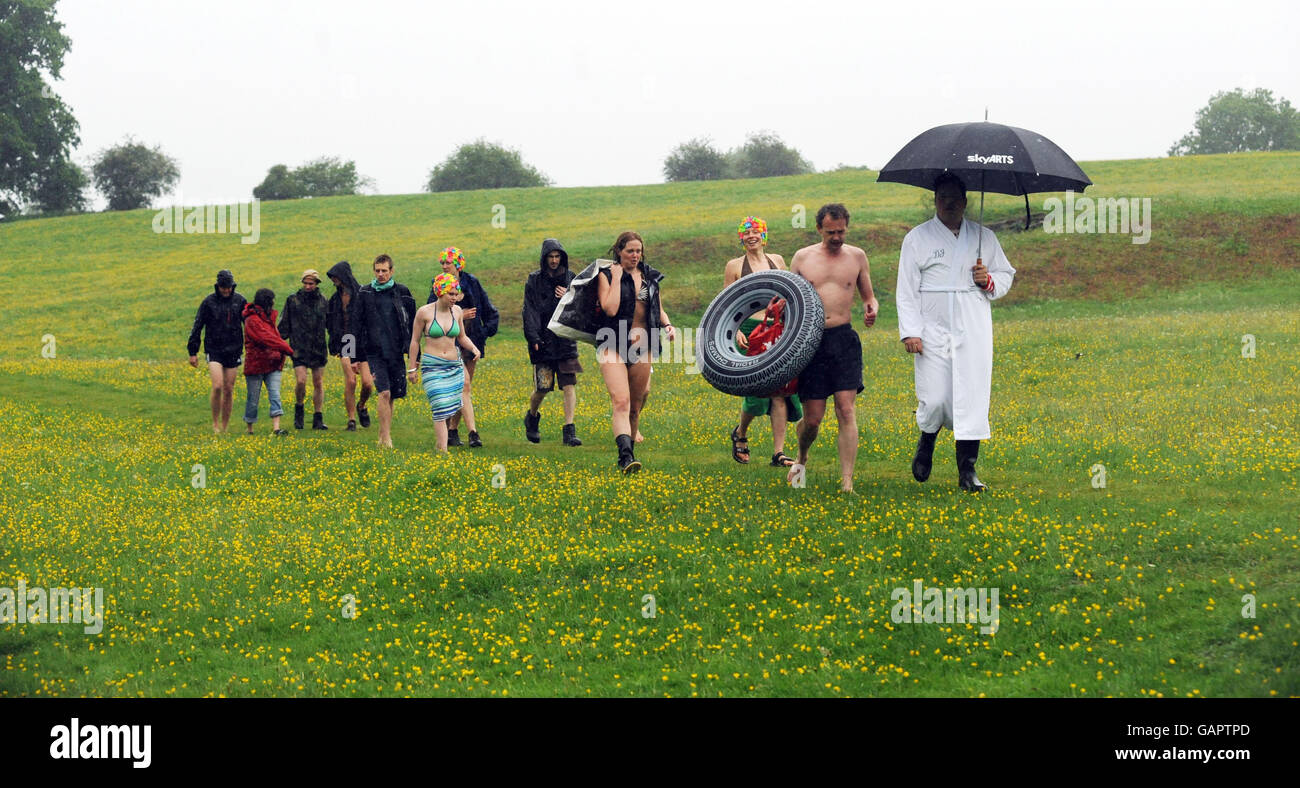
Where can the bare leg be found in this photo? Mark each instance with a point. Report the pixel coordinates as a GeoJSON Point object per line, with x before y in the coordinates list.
{"type": "Point", "coordinates": [440, 435]}
{"type": "Point", "coordinates": [299, 385]}
{"type": "Point", "coordinates": [218, 378]}
{"type": "Point", "coordinates": [846, 416]}
{"type": "Point", "coordinates": [813, 411]}
{"type": "Point", "coordinates": [318, 389]}
{"type": "Point", "coordinates": [615, 374]}
{"type": "Point", "coordinates": [638, 381]}
{"type": "Point", "coordinates": [228, 396]}
{"type": "Point", "coordinates": [349, 389]}
{"type": "Point", "coordinates": [778, 416]}
{"type": "Point", "coordinates": [535, 401]}
{"type": "Point", "coordinates": [367, 384]}
{"type": "Point", "coordinates": [570, 403]}
{"type": "Point", "coordinates": [466, 396]}
{"type": "Point", "coordinates": [385, 419]}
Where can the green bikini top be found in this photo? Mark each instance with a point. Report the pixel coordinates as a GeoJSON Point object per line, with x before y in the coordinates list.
{"type": "Point", "coordinates": [433, 324]}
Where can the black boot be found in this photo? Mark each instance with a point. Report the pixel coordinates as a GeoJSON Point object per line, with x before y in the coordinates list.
{"type": "Point", "coordinates": [924, 458]}
{"type": "Point", "coordinates": [627, 463]}
{"type": "Point", "coordinates": [453, 438]}
{"type": "Point", "coordinates": [318, 421]}
{"type": "Point", "coordinates": [299, 412]}
{"type": "Point", "coordinates": [571, 436]}
{"type": "Point", "coordinates": [474, 442]}
{"type": "Point", "coordinates": [967, 453]}
{"type": "Point", "coordinates": [363, 416]}
{"type": "Point", "coordinates": [533, 427]}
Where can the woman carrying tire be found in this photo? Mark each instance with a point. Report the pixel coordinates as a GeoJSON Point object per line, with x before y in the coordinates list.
{"type": "Point", "coordinates": [631, 315]}
{"type": "Point", "coordinates": [781, 409]}
{"type": "Point", "coordinates": [440, 326]}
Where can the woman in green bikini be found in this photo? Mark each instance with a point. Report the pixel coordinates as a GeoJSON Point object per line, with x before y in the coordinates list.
{"type": "Point", "coordinates": [439, 327]}
{"type": "Point", "coordinates": [753, 238]}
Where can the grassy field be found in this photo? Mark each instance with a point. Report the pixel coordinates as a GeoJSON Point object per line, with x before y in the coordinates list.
{"type": "Point", "coordinates": [1128, 356]}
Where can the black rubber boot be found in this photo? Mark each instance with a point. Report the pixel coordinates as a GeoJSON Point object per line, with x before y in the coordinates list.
{"type": "Point", "coordinates": [363, 417]}
{"type": "Point", "coordinates": [453, 438]}
{"type": "Point", "coordinates": [318, 421]}
{"type": "Point", "coordinates": [924, 459]}
{"type": "Point", "coordinates": [299, 412]}
{"type": "Point", "coordinates": [967, 453]}
{"type": "Point", "coordinates": [627, 463]}
{"type": "Point", "coordinates": [474, 442]}
{"type": "Point", "coordinates": [533, 427]}
{"type": "Point", "coordinates": [571, 435]}
{"type": "Point", "coordinates": [352, 426]}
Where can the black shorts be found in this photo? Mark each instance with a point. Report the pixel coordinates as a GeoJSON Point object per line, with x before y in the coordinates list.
{"type": "Point", "coordinates": [545, 376]}
{"type": "Point", "coordinates": [310, 361]}
{"type": "Point", "coordinates": [227, 360]}
{"type": "Point", "coordinates": [836, 366]}
{"type": "Point", "coordinates": [390, 376]}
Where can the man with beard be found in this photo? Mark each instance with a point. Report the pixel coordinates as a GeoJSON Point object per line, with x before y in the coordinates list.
{"type": "Point", "coordinates": [303, 325]}
{"type": "Point", "coordinates": [835, 270]}
{"type": "Point", "coordinates": [554, 359]}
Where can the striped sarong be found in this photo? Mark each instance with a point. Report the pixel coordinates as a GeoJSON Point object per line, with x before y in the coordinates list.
{"type": "Point", "coordinates": [443, 380]}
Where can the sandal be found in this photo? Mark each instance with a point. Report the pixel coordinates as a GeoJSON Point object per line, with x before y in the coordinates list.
{"type": "Point", "coordinates": [780, 460]}
{"type": "Point", "coordinates": [739, 453]}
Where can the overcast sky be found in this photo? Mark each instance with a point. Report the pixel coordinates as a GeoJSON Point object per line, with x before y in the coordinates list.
{"type": "Point", "coordinates": [596, 93]}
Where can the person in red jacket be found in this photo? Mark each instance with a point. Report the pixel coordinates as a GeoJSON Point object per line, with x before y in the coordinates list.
{"type": "Point", "coordinates": [264, 354]}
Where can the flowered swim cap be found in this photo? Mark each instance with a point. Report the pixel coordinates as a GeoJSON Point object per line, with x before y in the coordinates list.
{"type": "Point", "coordinates": [452, 255]}
{"type": "Point", "coordinates": [752, 223]}
{"type": "Point", "coordinates": [445, 283]}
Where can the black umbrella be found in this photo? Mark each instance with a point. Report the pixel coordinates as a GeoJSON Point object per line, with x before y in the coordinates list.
{"type": "Point", "coordinates": [987, 156]}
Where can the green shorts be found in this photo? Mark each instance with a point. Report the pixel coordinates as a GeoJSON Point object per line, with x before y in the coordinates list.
{"type": "Point", "coordinates": [762, 406]}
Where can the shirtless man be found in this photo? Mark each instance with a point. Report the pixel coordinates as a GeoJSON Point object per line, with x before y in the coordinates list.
{"type": "Point", "coordinates": [834, 269]}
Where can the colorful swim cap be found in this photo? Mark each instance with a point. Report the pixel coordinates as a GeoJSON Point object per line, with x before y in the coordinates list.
{"type": "Point", "coordinates": [452, 255]}
{"type": "Point", "coordinates": [752, 223]}
{"type": "Point", "coordinates": [445, 283]}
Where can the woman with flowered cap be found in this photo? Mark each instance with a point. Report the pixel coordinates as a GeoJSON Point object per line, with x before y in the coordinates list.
{"type": "Point", "coordinates": [752, 233]}
{"type": "Point", "coordinates": [480, 323]}
{"type": "Point", "coordinates": [438, 329]}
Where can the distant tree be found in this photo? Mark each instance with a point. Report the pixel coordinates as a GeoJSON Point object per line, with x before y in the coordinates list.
{"type": "Point", "coordinates": [1237, 121]}
{"type": "Point", "coordinates": [131, 175]}
{"type": "Point", "coordinates": [695, 160]}
{"type": "Point", "coordinates": [327, 176]}
{"type": "Point", "coordinates": [842, 167]}
{"type": "Point", "coordinates": [278, 185]}
{"type": "Point", "coordinates": [63, 190]}
{"type": "Point", "coordinates": [483, 165]}
{"type": "Point", "coordinates": [764, 155]}
{"type": "Point", "coordinates": [37, 130]}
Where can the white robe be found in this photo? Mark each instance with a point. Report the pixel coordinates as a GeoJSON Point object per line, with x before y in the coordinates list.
{"type": "Point", "coordinates": [939, 302]}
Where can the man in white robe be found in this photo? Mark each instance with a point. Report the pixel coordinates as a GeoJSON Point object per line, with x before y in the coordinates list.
{"type": "Point", "coordinates": [945, 321]}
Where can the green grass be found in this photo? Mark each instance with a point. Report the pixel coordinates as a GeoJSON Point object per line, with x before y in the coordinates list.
{"type": "Point", "coordinates": [535, 588]}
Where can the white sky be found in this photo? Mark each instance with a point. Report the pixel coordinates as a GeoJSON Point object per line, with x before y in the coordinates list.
{"type": "Point", "coordinates": [596, 93]}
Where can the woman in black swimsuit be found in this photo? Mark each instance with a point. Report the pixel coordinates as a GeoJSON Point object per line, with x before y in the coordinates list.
{"type": "Point", "coordinates": [631, 315]}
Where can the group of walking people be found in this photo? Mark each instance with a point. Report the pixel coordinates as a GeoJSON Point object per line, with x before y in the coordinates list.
{"type": "Point", "coordinates": [943, 296]}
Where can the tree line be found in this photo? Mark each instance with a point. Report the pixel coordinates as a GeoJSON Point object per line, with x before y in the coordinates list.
{"type": "Point", "coordinates": [38, 133]}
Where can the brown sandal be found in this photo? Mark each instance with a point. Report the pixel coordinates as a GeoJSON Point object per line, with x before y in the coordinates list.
{"type": "Point", "coordinates": [739, 453]}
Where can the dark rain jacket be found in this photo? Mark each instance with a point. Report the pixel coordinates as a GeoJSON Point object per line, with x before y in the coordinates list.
{"type": "Point", "coordinates": [385, 319]}
{"type": "Point", "coordinates": [303, 324]}
{"type": "Point", "coordinates": [539, 304]}
{"type": "Point", "coordinates": [220, 321]}
{"type": "Point", "coordinates": [342, 321]}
